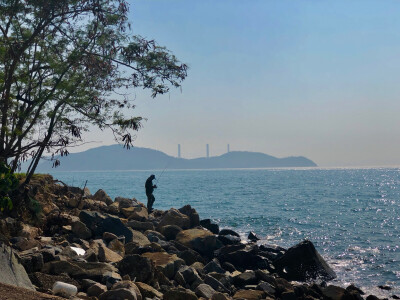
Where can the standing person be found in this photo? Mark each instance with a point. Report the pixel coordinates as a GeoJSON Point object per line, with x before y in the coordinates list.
{"type": "Point", "coordinates": [149, 192]}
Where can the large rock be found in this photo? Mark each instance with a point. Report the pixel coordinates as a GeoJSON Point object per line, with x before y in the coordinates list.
{"type": "Point", "coordinates": [118, 294]}
{"type": "Point", "coordinates": [192, 214]}
{"type": "Point", "coordinates": [205, 291]}
{"type": "Point", "coordinates": [100, 223]}
{"type": "Point", "coordinates": [170, 231]}
{"type": "Point", "coordinates": [203, 241]}
{"type": "Point", "coordinates": [102, 196]}
{"type": "Point", "coordinates": [179, 294]}
{"type": "Point", "coordinates": [302, 262]}
{"type": "Point", "coordinates": [174, 217]}
{"type": "Point", "coordinates": [148, 291]}
{"type": "Point", "coordinates": [80, 230]}
{"type": "Point", "coordinates": [140, 239]}
{"type": "Point", "coordinates": [107, 255]}
{"type": "Point", "coordinates": [11, 271]}
{"type": "Point", "coordinates": [129, 285]}
{"type": "Point", "coordinates": [137, 213]}
{"type": "Point", "coordinates": [168, 264]}
{"type": "Point", "coordinates": [206, 223]}
{"type": "Point", "coordinates": [136, 266]}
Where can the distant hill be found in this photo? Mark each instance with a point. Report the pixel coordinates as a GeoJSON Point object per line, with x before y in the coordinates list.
{"type": "Point", "coordinates": [115, 157]}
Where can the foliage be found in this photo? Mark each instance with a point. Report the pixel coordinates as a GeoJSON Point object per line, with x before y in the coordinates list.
{"type": "Point", "coordinates": [69, 64]}
{"type": "Point", "coordinates": [8, 183]}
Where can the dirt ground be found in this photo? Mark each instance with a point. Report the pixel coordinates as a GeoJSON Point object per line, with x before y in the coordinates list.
{"type": "Point", "coordinates": [9, 292]}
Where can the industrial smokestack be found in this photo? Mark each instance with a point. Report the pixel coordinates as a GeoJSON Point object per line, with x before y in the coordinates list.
{"type": "Point", "coordinates": [179, 150]}
{"type": "Point", "coordinates": [208, 151]}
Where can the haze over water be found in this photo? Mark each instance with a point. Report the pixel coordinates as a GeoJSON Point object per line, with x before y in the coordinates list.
{"type": "Point", "coordinates": [351, 215]}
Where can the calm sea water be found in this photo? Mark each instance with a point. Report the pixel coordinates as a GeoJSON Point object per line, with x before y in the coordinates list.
{"type": "Point", "coordinates": [351, 215]}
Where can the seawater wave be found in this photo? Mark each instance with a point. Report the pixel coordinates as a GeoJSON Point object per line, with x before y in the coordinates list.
{"type": "Point", "coordinates": [351, 215]}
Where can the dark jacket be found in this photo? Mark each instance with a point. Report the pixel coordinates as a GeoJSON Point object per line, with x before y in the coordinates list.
{"type": "Point", "coordinates": [149, 185]}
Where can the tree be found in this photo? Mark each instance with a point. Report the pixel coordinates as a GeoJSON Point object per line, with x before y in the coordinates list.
{"type": "Point", "coordinates": [68, 64]}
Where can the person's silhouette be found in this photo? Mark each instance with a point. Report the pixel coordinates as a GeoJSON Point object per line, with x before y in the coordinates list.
{"type": "Point", "coordinates": [149, 192]}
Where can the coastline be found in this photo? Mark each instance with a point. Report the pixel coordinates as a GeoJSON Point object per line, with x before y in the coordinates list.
{"type": "Point", "coordinates": [174, 248]}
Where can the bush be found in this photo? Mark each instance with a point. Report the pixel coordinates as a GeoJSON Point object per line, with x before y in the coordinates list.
{"type": "Point", "coordinates": [8, 183]}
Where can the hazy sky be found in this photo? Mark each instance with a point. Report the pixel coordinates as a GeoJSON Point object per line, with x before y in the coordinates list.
{"type": "Point", "coordinates": [314, 78]}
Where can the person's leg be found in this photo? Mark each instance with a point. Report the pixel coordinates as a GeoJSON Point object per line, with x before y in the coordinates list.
{"type": "Point", "coordinates": [152, 199]}
{"type": "Point", "coordinates": [149, 202]}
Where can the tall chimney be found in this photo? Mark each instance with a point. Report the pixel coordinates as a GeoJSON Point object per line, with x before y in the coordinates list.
{"type": "Point", "coordinates": [208, 151]}
{"type": "Point", "coordinates": [179, 150]}
{"type": "Point", "coordinates": [228, 149]}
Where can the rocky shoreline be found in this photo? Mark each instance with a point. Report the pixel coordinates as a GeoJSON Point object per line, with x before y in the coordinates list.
{"type": "Point", "coordinates": [84, 246]}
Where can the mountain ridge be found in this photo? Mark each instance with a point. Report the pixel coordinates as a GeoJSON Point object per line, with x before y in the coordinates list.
{"type": "Point", "coordinates": [115, 157]}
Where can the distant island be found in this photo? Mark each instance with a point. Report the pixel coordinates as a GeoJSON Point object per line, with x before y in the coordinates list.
{"type": "Point", "coordinates": [115, 157]}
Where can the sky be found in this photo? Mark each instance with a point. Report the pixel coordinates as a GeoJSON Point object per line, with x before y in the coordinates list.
{"type": "Point", "coordinates": [309, 78]}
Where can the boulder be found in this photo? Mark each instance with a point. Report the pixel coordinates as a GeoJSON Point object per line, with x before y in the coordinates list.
{"type": "Point", "coordinates": [148, 291]}
{"type": "Point", "coordinates": [174, 217]}
{"type": "Point", "coordinates": [117, 246]}
{"type": "Point", "coordinates": [138, 213]}
{"type": "Point", "coordinates": [245, 278]}
{"type": "Point", "coordinates": [129, 285]}
{"type": "Point", "coordinates": [108, 236]}
{"type": "Point", "coordinates": [170, 231]}
{"type": "Point", "coordinates": [11, 271]}
{"type": "Point", "coordinates": [302, 262]}
{"type": "Point", "coordinates": [190, 256]}
{"type": "Point", "coordinates": [213, 266]}
{"type": "Point", "coordinates": [188, 274]}
{"type": "Point", "coordinates": [100, 223]}
{"type": "Point", "coordinates": [102, 196]}
{"type": "Point", "coordinates": [28, 231]}
{"type": "Point", "coordinates": [206, 223]}
{"type": "Point", "coordinates": [215, 284]}
{"type": "Point", "coordinates": [168, 264]}
{"type": "Point", "coordinates": [140, 239]}
{"type": "Point", "coordinates": [266, 287]}
{"type": "Point", "coordinates": [192, 214]}
{"type": "Point", "coordinates": [332, 292]}
{"type": "Point", "coordinates": [96, 290]}
{"type": "Point", "coordinates": [205, 291]}
{"type": "Point", "coordinates": [80, 230]}
{"type": "Point", "coordinates": [136, 266]}
{"type": "Point", "coordinates": [113, 208]}
{"type": "Point", "coordinates": [203, 241]}
{"type": "Point", "coordinates": [141, 226]}
{"type": "Point", "coordinates": [229, 239]}
{"type": "Point", "coordinates": [249, 294]}
{"type": "Point", "coordinates": [107, 255]}
{"type": "Point", "coordinates": [124, 202]}
{"type": "Point", "coordinates": [179, 293]}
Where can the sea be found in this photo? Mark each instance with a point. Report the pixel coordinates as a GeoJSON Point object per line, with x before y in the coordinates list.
{"type": "Point", "coordinates": [351, 215]}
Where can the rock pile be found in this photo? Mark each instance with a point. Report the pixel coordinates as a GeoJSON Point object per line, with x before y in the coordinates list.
{"type": "Point", "coordinates": [117, 250]}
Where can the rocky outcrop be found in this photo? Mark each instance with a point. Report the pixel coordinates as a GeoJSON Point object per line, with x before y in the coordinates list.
{"type": "Point", "coordinates": [302, 262]}
{"type": "Point", "coordinates": [11, 270]}
{"type": "Point", "coordinates": [116, 250]}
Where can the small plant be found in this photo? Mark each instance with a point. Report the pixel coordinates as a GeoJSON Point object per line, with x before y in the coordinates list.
{"type": "Point", "coordinates": [8, 183]}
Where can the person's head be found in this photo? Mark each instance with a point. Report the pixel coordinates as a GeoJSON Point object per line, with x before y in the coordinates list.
{"type": "Point", "coordinates": [153, 176]}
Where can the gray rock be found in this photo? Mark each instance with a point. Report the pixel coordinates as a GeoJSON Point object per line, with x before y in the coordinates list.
{"type": "Point", "coordinates": [179, 294]}
{"type": "Point", "coordinates": [170, 231]}
{"type": "Point", "coordinates": [33, 263]}
{"type": "Point", "coordinates": [245, 278]}
{"type": "Point", "coordinates": [229, 239]}
{"type": "Point", "coordinates": [11, 271]}
{"type": "Point", "coordinates": [266, 287]}
{"type": "Point", "coordinates": [206, 223]}
{"type": "Point", "coordinates": [205, 291]}
{"type": "Point", "coordinates": [102, 196]}
{"type": "Point", "coordinates": [141, 226]}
